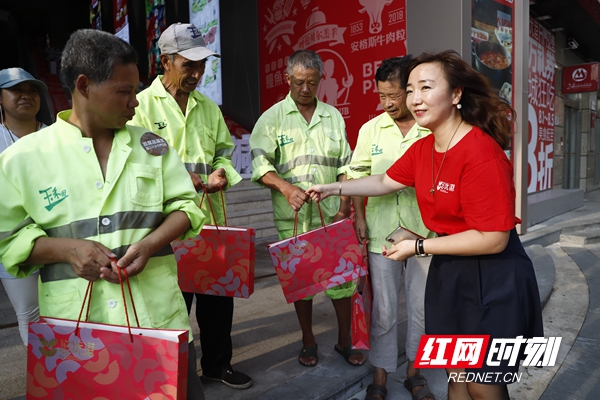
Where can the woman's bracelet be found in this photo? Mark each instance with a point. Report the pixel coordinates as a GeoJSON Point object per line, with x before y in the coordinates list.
{"type": "Point", "coordinates": [421, 249]}
{"type": "Point", "coordinates": [417, 247]}
{"type": "Point", "coordinates": [340, 193]}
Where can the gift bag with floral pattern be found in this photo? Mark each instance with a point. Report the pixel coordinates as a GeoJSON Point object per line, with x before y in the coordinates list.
{"type": "Point", "coordinates": [317, 260]}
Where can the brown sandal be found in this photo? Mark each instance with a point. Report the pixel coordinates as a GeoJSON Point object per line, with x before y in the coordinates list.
{"type": "Point", "coordinates": [418, 380]}
{"type": "Point", "coordinates": [375, 390]}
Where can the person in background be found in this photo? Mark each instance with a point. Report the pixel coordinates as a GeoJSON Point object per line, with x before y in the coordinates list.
{"type": "Point", "coordinates": [19, 105]}
{"type": "Point", "coordinates": [298, 142]}
{"type": "Point", "coordinates": [194, 126]}
{"type": "Point", "coordinates": [382, 141]}
{"type": "Point", "coordinates": [481, 281]}
{"type": "Point", "coordinates": [88, 190]}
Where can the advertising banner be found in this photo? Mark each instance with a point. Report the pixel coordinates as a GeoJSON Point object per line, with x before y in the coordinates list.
{"type": "Point", "coordinates": [580, 78]}
{"type": "Point", "coordinates": [492, 43]}
{"type": "Point", "coordinates": [542, 47]}
{"type": "Point", "coordinates": [204, 14]}
{"type": "Point", "coordinates": [155, 25]}
{"type": "Point", "coordinates": [96, 15]}
{"type": "Point", "coordinates": [351, 42]}
{"type": "Point", "coordinates": [121, 19]}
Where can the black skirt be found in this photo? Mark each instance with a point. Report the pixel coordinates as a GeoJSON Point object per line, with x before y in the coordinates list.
{"type": "Point", "coordinates": [494, 295]}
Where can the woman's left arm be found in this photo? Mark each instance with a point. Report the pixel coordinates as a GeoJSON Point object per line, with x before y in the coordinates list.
{"type": "Point", "coordinates": [467, 243]}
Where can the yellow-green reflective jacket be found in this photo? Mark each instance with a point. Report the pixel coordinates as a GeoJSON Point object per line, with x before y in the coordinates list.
{"type": "Point", "coordinates": [53, 186]}
{"type": "Point", "coordinates": [301, 153]}
{"type": "Point", "coordinates": [380, 143]}
{"type": "Point", "coordinates": [200, 136]}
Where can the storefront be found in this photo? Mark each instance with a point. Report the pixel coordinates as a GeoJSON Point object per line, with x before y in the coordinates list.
{"type": "Point", "coordinates": [555, 151]}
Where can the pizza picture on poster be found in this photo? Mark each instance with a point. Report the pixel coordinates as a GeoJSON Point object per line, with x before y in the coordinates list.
{"type": "Point", "coordinates": [351, 44]}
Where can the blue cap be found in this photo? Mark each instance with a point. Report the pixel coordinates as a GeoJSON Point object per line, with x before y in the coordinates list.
{"type": "Point", "coordinates": [10, 77]}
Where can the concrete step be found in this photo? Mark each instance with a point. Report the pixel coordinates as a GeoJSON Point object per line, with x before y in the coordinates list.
{"type": "Point", "coordinates": [543, 264]}
{"type": "Point", "coordinates": [241, 193]}
{"type": "Point", "coordinates": [587, 236]}
{"type": "Point", "coordinates": [249, 203]}
{"type": "Point", "coordinates": [244, 183]}
{"type": "Point", "coordinates": [264, 230]}
{"type": "Point", "coordinates": [250, 217]}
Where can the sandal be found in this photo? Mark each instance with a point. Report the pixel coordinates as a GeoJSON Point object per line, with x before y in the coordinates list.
{"type": "Point", "coordinates": [375, 390]}
{"type": "Point", "coordinates": [308, 351]}
{"type": "Point", "coordinates": [348, 352]}
{"type": "Point", "coordinates": [418, 380]}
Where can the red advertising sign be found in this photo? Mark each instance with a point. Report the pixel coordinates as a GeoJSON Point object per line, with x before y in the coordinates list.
{"type": "Point", "coordinates": [121, 19]}
{"type": "Point", "coordinates": [580, 78]}
{"type": "Point", "coordinates": [541, 107]}
{"type": "Point", "coordinates": [351, 43]}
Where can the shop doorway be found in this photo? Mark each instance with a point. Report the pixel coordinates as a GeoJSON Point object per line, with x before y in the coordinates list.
{"type": "Point", "coordinates": [596, 134]}
{"type": "Point", "coordinates": [572, 152]}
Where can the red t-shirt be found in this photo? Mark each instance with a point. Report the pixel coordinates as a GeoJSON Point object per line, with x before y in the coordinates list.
{"type": "Point", "coordinates": [474, 190]}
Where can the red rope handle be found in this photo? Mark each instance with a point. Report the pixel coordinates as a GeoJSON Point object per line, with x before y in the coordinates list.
{"type": "Point", "coordinates": [321, 215]}
{"type": "Point", "coordinates": [125, 305]}
{"type": "Point", "coordinates": [295, 233]}
{"type": "Point", "coordinates": [223, 203]}
{"type": "Point", "coordinates": [137, 321]}
{"type": "Point", "coordinates": [85, 297]}
{"type": "Point", "coordinates": [212, 212]}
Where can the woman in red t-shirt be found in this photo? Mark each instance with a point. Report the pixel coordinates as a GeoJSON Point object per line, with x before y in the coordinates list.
{"type": "Point", "coordinates": [481, 281]}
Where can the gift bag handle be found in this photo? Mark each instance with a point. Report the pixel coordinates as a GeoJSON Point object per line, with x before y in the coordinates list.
{"type": "Point", "coordinates": [205, 194]}
{"type": "Point", "coordinates": [296, 221]}
{"type": "Point", "coordinates": [87, 298]}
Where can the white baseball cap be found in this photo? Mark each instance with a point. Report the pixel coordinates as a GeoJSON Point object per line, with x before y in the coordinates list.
{"type": "Point", "coordinates": [185, 40]}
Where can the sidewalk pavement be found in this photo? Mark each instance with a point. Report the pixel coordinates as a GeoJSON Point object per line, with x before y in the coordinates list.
{"type": "Point", "coordinates": [266, 334]}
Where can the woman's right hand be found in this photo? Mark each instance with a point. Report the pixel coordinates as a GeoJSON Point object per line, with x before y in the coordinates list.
{"type": "Point", "coordinates": [399, 251]}
{"type": "Point", "coordinates": [318, 192]}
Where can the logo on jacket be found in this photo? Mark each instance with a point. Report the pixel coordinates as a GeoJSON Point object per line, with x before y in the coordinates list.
{"type": "Point", "coordinates": [376, 150]}
{"type": "Point", "coordinates": [161, 125]}
{"type": "Point", "coordinates": [284, 139]}
{"type": "Point", "coordinates": [53, 196]}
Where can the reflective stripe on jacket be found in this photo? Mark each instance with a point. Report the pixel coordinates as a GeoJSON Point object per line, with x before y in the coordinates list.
{"type": "Point", "coordinates": [53, 186]}
{"type": "Point", "coordinates": [301, 153]}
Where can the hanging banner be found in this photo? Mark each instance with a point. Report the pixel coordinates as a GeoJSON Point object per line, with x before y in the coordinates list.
{"type": "Point", "coordinates": [351, 43]}
{"type": "Point", "coordinates": [205, 16]}
{"type": "Point", "coordinates": [492, 44]}
{"type": "Point", "coordinates": [580, 78]}
{"type": "Point", "coordinates": [121, 19]}
{"type": "Point", "coordinates": [95, 15]}
{"type": "Point", "coordinates": [541, 107]}
{"type": "Point", "coordinates": [155, 25]}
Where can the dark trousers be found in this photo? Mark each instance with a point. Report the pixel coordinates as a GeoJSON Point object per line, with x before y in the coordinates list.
{"type": "Point", "coordinates": [194, 388]}
{"type": "Point", "coordinates": [215, 318]}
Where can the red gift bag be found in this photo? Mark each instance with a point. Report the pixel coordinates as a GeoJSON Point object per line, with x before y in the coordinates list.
{"type": "Point", "coordinates": [317, 260]}
{"type": "Point", "coordinates": [362, 301]}
{"type": "Point", "coordinates": [219, 261]}
{"type": "Point", "coordinates": [76, 360]}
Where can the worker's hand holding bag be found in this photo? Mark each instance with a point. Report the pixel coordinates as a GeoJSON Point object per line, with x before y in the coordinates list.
{"type": "Point", "coordinates": [69, 359]}
{"type": "Point", "coordinates": [317, 260]}
{"type": "Point", "coordinates": [219, 261]}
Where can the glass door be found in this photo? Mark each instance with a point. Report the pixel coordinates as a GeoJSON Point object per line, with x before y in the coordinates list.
{"type": "Point", "coordinates": [572, 152]}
